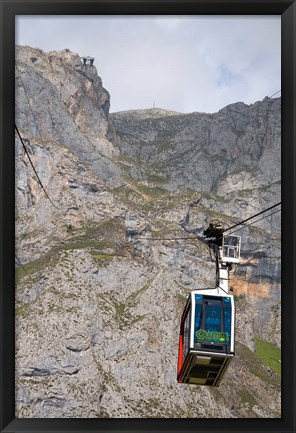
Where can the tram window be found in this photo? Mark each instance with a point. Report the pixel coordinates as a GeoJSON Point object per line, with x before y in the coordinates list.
{"type": "Point", "coordinates": [186, 335]}
{"type": "Point", "coordinates": [231, 252]}
{"type": "Point", "coordinates": [227, 316]}
{"type": "Point", "coordinates": [198, 310]}
{"type": "Point", "coordinates": [198, 315]}
{"type": "Point", "coordinates": [231, 240]}
{"type": "Point", "coordinates": [213, 316]}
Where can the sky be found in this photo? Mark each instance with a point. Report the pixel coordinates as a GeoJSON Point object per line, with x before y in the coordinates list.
{"type": "Point", "coordinates": [178, 63]}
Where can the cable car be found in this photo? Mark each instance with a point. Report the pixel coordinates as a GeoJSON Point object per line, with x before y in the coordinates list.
{"type": "Point", "coordinates": [206, 341]}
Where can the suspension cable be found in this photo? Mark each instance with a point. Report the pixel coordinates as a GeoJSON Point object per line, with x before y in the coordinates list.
{"type": "Point", "coordinates": [27, 97]}
{"type": "Point", "coordinates": [260, 219]}
{"type": "Point", "coordinates": [27, 153]}
{"type": "Point", "coordinates": [229, 228]}
{"type": "Point", "coordinates": [23, 268]}
{"type": "Point", "coordinates": [259, 213]}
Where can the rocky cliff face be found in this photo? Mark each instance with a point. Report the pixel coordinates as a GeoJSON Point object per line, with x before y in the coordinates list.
{"type": "Point", "coordinates": [99, 298]}
{"type": "Point", "coordinates": [70, 105]}
{"type": "Point", "coordinates": [230, 161]}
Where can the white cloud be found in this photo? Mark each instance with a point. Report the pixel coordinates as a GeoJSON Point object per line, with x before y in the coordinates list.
{"type": "Point", "coordinates": [169, 23]}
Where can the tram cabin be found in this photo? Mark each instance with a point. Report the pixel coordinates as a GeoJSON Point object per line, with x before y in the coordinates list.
{"type": "Point", "coordinates": [206, 342]}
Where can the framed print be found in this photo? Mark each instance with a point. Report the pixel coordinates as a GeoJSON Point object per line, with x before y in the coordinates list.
{"type": "Point", "coordinates": [147, 258]}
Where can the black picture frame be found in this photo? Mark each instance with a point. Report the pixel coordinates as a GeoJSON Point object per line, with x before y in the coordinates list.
{"type": "Point", "coordinates": [8, 10]}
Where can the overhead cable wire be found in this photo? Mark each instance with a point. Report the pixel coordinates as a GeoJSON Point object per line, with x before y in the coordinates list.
{"type": "Point", "coordinates": [247, 225]}
{"type": "Point", "coordinates": [23, 268]}
{"type": "Point", "coordinates": [28, 99]}
{"type": "Point", "coordinates": [39, 181]}
{"type": "Point", "coordinates": [21, 265]}
{"type": "Point", "coordinates": [100, 153]}
{"type": "Point", "coordinates": [168, 239]}
{"type": "Point", "coordinates": [275, 93]}
{"type": "Point", "coordinates": [229, 228]}
{"type": "Point", "coordinates": [27, 153]}
{"type": "Point", "coordinates": [259, 213]}
{"type": "Point", "coordinates": [27, 273]}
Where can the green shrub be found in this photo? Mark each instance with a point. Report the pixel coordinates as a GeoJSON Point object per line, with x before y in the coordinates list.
{"type": "Point", "coordinates": [69, 228]}
{"type": "Point", "coordinates": [269, 354]}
